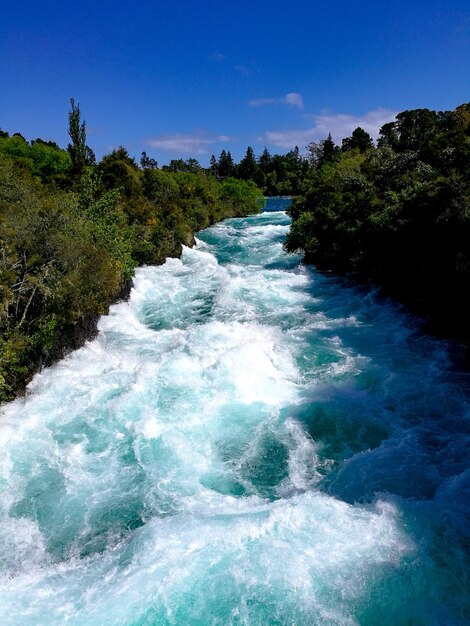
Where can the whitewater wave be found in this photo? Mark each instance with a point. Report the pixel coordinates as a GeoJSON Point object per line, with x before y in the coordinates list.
{"type": "Point", "coordinates": [245, 442]}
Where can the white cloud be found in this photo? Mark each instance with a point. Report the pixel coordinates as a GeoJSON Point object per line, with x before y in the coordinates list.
{"type": "Point", "coordinates": [244, 71]}
{"type": "Point", "coordinates": [340, 125]}
{"type": "Point", "coordinates": [218, 57]}
{"type": "Point", "coordinates": [188, 143]}
{"type": "Point", "coordinates": [292, 99]}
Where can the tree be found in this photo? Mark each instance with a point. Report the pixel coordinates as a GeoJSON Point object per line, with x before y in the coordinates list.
{"type": "Point", "coordinates": [359, 139]}
{"type": "Point", "coordinates": [241, 197]}
{"type": "Point", "coordinates": [175, 165]}
{"type": "Point", "coordinates": [388, 136]}
{"type": "Point", "coordinates": [324, 152]}
{"type": "Point", "coordinates": [396, 214]}
{"type": "Point", "coordinates": [118, 170]}
{"type": "Point", "coordinates": [193, 165]}
{"type": "Point", "coordinates": [50, 144]}
{"type": "Point", "coordinates": [248, 165]}
{"type": "Point", "coordinates": [265, 161]}
{"type": "Point", "coordinates": [178, 165]}
{"type": "Point", "coordinates": [329, 150]}
{"type": "Point", "coordinates": [146, 163]}
{"type": "Point", "coordinates": [312, 154]}
{"type": "Point", "coordinates": [226, 164]}
{"type": "Point", "coordinates": [294, 154]}
{"type": "Point", "coordinates": [214, 166]}
{"type": "Point", "coordinates": [416, 129]}
{"type": "Point", "coordinates": [248, 169]}
{"type": "Point", "coordinates": [44, 159]}
{"type": "Point", "coordinates": [80, 154]}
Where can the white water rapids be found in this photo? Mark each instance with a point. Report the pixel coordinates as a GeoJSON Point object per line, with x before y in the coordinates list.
{"type": "Point", "coordinates": [246, 441]}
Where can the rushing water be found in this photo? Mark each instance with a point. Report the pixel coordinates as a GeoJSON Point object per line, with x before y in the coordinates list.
{"type": "Point", "coordinates": [247, 441]}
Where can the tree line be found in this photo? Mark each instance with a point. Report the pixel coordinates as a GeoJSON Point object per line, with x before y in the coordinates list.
{"type": "Point", "coordinates": [275, 175]}
{"type": "Point", "coordinates": [396, 213]}
{"type": "Point", "coordinates": [72, 230]}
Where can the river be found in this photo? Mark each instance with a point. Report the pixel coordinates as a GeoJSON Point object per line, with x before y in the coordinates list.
{"type": "Point", "coordinates": [246, 441]}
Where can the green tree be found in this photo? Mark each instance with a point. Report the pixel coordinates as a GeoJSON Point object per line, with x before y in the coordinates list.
{"type": "Point", "coordinates": [118, 170]}
{"type": "Point", "coordinates": [328, 151]}
{"type": "Point", "coordinates": [193, 165]}
{"type": "Point", "coordinates": [397, 214]}
{"type": "Point", "coordinates": [248, 169]}
{"type": "Point", "coordinates": [360, 140]}
{"type": "Point", "coordinates": [214, 166]}
{"type": "Point", "coordinates": [322, 153]}
{"type": "Point", "coordinates": [81, 155]}
{"type": "Point", "coordinates": [226, 164]}
{"type": "Point", "coordinates": [265, 161]}
{"type": "Point", "coordinates": [147, 163]}
{"type": "Point", "coordinates": [44, 159]}
{"type": "Point", "coordinates": [241, 197]}
{"type": "Point", "coordinates": [175, 165]}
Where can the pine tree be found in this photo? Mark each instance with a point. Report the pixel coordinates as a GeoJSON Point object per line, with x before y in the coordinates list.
{"type": "Point", "coordinates": [226, 164]}
{"type": "Point", "coordinates": [214, 166]}
{"type": "Point", "coordinates": [248, 166]}
{"type": "Point", "coordinates": [265, 161]}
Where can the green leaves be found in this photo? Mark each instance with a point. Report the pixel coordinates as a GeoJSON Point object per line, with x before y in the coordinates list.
{"type": "Point", "coordinates": [64, 257]}
{"type": "Point", "coordinates": [80, 154]}
{"type": "Point", "coordinates": [44, 160]}
{"type": "Point", "coordinates": [72, 232]}
{"type": "Point", "coordinates": [399, 213]}
{"type": "Point", "coordinates": [240, 197]}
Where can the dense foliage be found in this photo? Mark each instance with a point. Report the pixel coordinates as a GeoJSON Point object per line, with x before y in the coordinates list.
{"type": "Point", "coordinates": [43, 159]}
{"type": "Point", "coordinates": [277, 175]}
{"type": "Point", "coordinates": [398, 213]}
{"type": "Point", "coordinates": [72, 232]}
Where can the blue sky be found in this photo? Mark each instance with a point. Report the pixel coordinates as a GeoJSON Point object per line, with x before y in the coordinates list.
{"type": "Point", "coordinates": [190, 78]}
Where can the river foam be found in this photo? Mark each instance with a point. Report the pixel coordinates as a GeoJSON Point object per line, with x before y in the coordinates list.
{"type": "Point", "coordinates": [246, 441]}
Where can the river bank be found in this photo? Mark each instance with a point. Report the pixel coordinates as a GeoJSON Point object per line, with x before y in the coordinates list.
{"type": "Point", "coordinates": [69, 253]}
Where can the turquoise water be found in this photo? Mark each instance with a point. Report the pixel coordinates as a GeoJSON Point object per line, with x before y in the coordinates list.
{"type": "Point", "coordinates": [247, 441]}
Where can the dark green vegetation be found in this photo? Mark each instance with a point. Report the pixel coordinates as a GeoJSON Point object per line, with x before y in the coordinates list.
{"type": "Point", "coordinates": [397, 214]}
{"type": "Point", "coordinates": [276, 175]}
{"type": "Point", "coordinates": [72, 232]}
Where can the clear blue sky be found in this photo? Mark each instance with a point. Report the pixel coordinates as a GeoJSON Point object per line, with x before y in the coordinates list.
{"type": "Point", "coordinates": [189, 78]}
